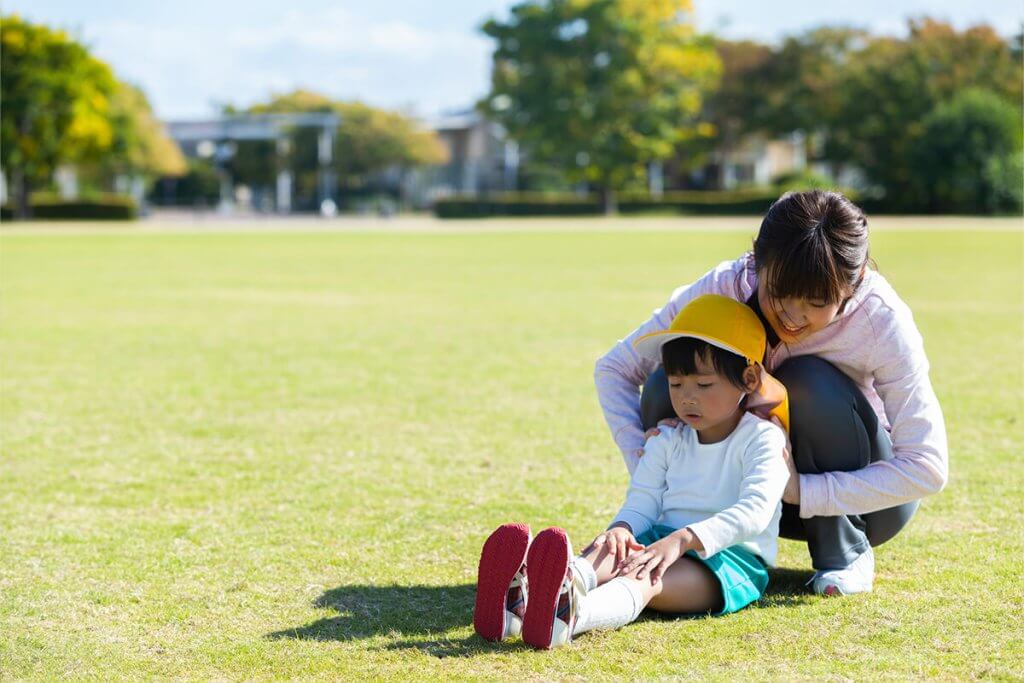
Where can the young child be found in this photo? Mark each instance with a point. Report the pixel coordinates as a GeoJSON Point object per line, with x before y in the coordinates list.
{"type": "Point", "coordinates": [700, 523]}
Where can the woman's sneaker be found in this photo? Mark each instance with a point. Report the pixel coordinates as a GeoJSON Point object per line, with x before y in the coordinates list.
{"type": "Point", "coordinates": [501, 586]}
{"type": "Point", "coordinates": [555, 591]}
{"type": "Point", "coordinates": [856, 578]}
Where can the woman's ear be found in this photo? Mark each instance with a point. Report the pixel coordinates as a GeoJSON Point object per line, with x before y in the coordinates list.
{"type": "Point", "coordinates": [752, 378]}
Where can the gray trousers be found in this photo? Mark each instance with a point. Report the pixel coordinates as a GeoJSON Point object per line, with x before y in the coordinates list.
{"type": "Point", "coordinates": [832, 429]}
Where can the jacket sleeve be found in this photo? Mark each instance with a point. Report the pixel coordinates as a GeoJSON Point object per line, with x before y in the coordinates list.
{"type": "Point", "coordinates": [642, 508]}
{"type": "Point", "coordinates": [764, 478]}
{"type": "Point", "coordinates": [919, 466]}
{"type": "Point", "coordinates": [619, 373]}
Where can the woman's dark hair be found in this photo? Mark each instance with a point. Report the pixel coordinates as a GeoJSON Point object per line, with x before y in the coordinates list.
{"type": "Point", "coordinates": [679, 357]}
{"type": "Point", "coordinates": [813, 245]}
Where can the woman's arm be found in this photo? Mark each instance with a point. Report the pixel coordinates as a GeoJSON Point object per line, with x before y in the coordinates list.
{"type": "Point", "coordinates": [619, 374]}
{"type": "Point", "coordinates": [919, 466]}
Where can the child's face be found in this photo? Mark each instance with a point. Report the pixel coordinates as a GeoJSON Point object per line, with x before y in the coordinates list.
{"type": "Point", "coordinates": [706, 401]}
{"type": "Point", "coordinates": [792, 318]}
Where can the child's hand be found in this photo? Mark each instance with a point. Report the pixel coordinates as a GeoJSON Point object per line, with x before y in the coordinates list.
{"type": "Point", "coordinates": [618, 541]}
{"type": "Point", "coordinates": [672, 422]}
{"type": "Point", "coordinates": [658, 556]}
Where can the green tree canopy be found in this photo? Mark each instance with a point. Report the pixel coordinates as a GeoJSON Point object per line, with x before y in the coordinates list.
{"type": "Point", "coordinates": [62, 105]}
{"type": "Point", "coordinates": [967, 158]}
{"type": "Point", "coordinates": [891, 85]}
{"type": "Point", "coordinates": [56, 99]}
{"type": "Point", "coordinates": [600, 88]}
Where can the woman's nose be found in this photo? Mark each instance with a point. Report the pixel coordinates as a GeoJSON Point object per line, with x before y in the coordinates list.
{"type": "Point", "coordinates": [794, 310]}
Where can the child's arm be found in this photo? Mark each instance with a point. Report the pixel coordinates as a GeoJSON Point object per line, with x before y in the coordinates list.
{"type": "Point", "coordinates": [764, 478]}
{"type": "Point", "coordinates": [643, 500]}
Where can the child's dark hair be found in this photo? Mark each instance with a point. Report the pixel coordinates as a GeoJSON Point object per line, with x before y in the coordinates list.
{"type": "Point", "coordinates": [813, 245]}
{"type": "Point", "coordinates": [679, 357]}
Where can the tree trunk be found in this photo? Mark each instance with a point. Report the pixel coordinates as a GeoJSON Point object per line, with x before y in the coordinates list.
{"type": "Point", "coordinates": [22, 209]}
{"type": "Point", "coordinates": [608, 201]}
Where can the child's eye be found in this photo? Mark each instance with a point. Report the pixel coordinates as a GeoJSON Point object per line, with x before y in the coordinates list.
{"type": "Point", "coordinates": [705, 386]}
{"type": "Point", "coordinates": [817, 305]}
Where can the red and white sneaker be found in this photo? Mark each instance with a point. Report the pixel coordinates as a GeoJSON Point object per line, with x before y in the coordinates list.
{"type": "Point", "coordinates": [501, 586]}
{"type": "Point", "coordinates": [555, 591]}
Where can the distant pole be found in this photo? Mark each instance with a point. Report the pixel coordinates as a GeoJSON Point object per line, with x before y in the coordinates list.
{"type": "Point", "coordinates": [325, 155]}
{"type": "Point", "coordinates": [656, 179]}
{"type": "Point", "coordinates": [283, 194]}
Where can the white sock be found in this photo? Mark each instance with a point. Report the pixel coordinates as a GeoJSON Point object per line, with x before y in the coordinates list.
{"type": "Point", "coordinates": [612, 605]}
{"type": "Point", "coordinates": [586, 572]}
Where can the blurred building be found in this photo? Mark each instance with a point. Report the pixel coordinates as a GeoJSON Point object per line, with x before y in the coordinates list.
{"type": "Point", "coordinates": [217, 140]}
{"type": "Point", "coordinates": [481, 160]}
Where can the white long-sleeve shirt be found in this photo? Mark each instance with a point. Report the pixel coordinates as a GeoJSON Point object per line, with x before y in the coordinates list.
{"type": "Point", "coordinates": [728, 493]}
{"type": "Point", "coordinates": [874, 341]}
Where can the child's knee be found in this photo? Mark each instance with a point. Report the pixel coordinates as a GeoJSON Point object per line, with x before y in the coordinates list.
{"type": "Point", "coordinates": [647, 586]}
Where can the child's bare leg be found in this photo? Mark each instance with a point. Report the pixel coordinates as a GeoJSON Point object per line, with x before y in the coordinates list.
{"type": "Point", "coordinates": [687, 586]}
{"type": "Point", "coordinates": [603, 561]}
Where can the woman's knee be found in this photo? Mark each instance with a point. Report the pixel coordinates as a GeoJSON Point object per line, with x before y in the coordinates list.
{"type": "Point", "coordinates": [883, 525]}
{"type": "Point", "coordinates": [833, 426]}
{"type": "Point", "coordinates": [655, 403]}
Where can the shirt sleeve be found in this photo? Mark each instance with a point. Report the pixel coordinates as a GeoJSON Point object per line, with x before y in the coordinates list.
{"type": "Point", "coordinates": [764, 478]}
{"type": "Point", "coordinates": [619, 373]}
{"type": "Point", "coordinates": [919, 466]}
{"type": "Point", "coordinates": [642, 508]}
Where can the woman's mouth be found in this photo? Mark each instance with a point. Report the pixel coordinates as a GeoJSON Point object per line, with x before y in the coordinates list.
{"type": "Point", "coordinates": [791, 329]}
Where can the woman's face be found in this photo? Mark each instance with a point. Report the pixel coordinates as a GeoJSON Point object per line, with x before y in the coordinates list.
{"type": "Point", "coordinates": [794, 319]}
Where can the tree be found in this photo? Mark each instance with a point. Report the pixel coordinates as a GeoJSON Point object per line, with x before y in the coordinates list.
{"type": "Point", "coordinates": [56, 99]}
{"type": "Point", "coordinates": [968, 156]}
{"type": "Point", "coordinates": [891, 85]}
{"type": "Point", "coordinates": [370, 140]}
{"type": "Point", "coordinates": [141, 143]}
{"type": "Point", "coordinates": [600, 88]}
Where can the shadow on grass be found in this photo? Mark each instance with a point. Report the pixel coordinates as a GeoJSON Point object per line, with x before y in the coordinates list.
{"type": "Point", "coordinates": [788, 587]}
{"type": "Point", "coordinates": [418, 616]}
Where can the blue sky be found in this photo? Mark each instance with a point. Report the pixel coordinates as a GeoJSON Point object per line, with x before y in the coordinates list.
{"type": "Point", "coordinates": [422, 57]}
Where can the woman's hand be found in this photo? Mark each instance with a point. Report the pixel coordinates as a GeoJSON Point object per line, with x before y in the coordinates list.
{"type": "Point", "coordinates": [659, 556]}
{"type": "Point", "coordinates": [672, 422]}
{"type": "Point", "coordinates": [791, 494]}
{"type": "Point", "coordinates": [619, 541]}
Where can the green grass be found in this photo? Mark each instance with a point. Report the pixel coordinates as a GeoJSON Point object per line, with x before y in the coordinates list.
{"type": "Point", "coordinates": [276, 455]}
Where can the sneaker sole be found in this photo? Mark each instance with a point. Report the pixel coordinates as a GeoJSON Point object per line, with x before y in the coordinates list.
{"type": "Point", "coordinates": [503, 554]}
{"type": "Point", "coordinates": [546, 566]}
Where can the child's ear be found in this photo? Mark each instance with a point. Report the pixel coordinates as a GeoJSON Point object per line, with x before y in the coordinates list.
{"type": "Point", "coordinates": [752, 378]}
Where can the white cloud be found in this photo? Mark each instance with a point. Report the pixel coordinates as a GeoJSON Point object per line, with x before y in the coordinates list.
{"type": "Point", "coordinates": [335, 50]}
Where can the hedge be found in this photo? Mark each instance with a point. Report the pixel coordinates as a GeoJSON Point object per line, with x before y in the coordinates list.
{"type": "Point", "coordinates": [107, 207]}
{"type": "Point", "coordinates": [725, 203]}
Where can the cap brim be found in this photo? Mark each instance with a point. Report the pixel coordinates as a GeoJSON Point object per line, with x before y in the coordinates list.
{"type": "Point", "coordinates": [649, 345]}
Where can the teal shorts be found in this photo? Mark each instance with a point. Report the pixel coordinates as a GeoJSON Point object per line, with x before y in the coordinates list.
{"type": "Point", "coordinates": [742, 574]}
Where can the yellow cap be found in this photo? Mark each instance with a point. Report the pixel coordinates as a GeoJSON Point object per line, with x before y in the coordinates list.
{"type": "Point", "coordinates": [733, 326]}
{"type": "Point", "coordinates": [718, 320]}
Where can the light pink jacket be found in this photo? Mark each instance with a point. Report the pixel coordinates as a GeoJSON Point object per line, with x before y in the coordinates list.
{"type": "Point", "coordinates": [874, 341]}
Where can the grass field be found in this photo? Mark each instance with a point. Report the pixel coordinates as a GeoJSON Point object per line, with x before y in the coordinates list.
{"type": "Point", "coordinates": [275, 454]}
